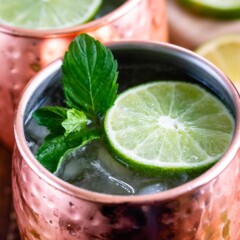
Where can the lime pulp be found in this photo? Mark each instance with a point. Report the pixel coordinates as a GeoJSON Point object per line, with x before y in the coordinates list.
{"type": "Point", "coordinates": [47, 14]}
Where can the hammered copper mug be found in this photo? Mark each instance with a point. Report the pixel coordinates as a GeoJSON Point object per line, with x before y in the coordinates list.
{"type": "Point", "coordinates": [24, 52]}
{"type": "Point", "coordinates": [206, 208]}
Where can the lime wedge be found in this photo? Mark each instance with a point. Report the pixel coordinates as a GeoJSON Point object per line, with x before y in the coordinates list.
{"type": "Point", "coordinates": [168, 126]}
{"type": "Point", "coordinates": [214, 8]}
{"type": "Point", "coordinates": [47, 14]}
{"type": "Point", "coordinates": [224, 52]}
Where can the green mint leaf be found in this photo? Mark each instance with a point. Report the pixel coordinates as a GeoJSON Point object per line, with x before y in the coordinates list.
{"type": "Point", "coordinates": [75, 122]}
{"type": "Point", "coordinates": [53, 149]}
{"type": "Point", "coordinates": [51, 117]}
{"type": "Point", "coordinates": [89, 76]}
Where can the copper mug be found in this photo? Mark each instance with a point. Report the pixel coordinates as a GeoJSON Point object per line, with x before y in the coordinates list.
{"type": "Point", "coordinates": [24, 52]}
{"type": "Point", "coordinates": [206, 208]}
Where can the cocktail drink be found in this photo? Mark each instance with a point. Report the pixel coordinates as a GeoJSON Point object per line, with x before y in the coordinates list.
{"type": "Point", "coordinates": [50, 208]}
{"type": "Point", "coordinates": [24, 51]}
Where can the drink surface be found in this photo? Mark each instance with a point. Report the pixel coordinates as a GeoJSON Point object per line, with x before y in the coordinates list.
{"type": "Point", "coordinates": [92, 166]}
{"type": "Point", "coordinates": [158, 129]}
{"type": "Point", "coordinates": [47, 14]}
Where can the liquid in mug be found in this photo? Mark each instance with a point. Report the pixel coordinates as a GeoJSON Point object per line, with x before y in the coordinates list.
{"type": "Point", "coordinates": [94, 168]}
{"type": "Point", "coordinates": [155, 135]}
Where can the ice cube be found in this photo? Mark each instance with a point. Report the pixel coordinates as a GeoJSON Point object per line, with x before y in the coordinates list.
{"type": "Point", "coordinates": [84, 169]}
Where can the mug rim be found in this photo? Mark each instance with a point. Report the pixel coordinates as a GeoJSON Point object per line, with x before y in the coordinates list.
{"type": "Point", "coordinates": [77, 192]}
{"type": "Point", "coordinates": [117, 13]}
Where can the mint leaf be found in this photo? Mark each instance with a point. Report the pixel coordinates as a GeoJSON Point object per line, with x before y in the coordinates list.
{"type": "Point", "coordinates": [75, 122]}
{"type": "Point", "coordinates": [51, 117]}
{"type": "Point", "coordinates": [53, 149]}
{"type": "Point", "coordinates": [89, 76]}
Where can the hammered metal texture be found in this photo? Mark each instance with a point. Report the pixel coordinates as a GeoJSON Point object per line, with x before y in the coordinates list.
{"type": "Point", "coordinates": [21, 56]}
{"type": "Point", "coordinates": [210, 212]}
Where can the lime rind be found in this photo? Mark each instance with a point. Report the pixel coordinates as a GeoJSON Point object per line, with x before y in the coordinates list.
{"type": "Point", "coordinates": [152, 171]}
{"type": "Point", "coordinates": [46, 14]}
{"type": "Point", "coordinates": [179, 142]}
{"type": "Point", "coordinates": [217, 9]}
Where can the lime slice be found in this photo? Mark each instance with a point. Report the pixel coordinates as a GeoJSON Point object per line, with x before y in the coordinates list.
{"type": "Point", "coordinates": [224, 52]}
{"type": "Point", "coordinates": [168, 125]}
{"type": "Point", "coordinates": [214, 8]}
{"type": "Point", "coordinates": [47, 14]}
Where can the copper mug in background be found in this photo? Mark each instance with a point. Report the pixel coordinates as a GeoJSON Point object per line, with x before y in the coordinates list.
{"type": "Point", "coordinates": [24, 52]}
{"type": "Point", "coordinates": [206, 208]}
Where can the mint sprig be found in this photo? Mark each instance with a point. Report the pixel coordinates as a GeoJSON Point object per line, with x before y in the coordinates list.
{"type": "Point", "coordinates": [90, 88]}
